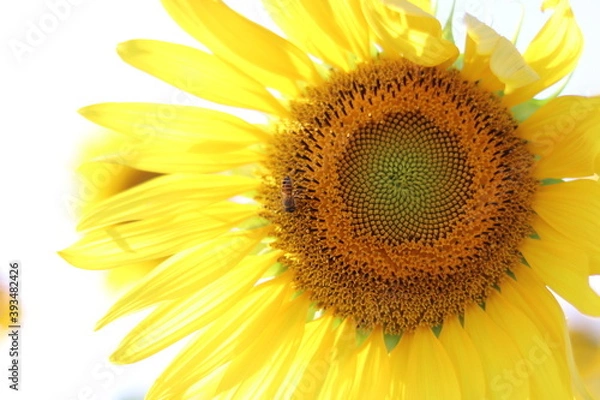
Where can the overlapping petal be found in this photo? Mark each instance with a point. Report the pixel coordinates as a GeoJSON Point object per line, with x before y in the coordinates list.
{"type": "Point", "coordinates": [218, 345]}
{"type": "Point", "coordinates": [465, 359]}
{"type": "Point", "coordinates": [553, 53]}
{"type": "Point", "coordinates": [565, 134]}
{"type": "Point", "coordinates": [565, 269]}
{"type": "Point", "coordinates": [191, 270]}
{"type": "Point", "coordinates": [309, 25]}
{"type": "Point", "coordinates": [201, 74]}
{"type": "Point", "coordinates": [210, 23]}
{"type": "Point", "coordinates": [573, 210]}
{"type": "Point", "coordinates": [183, 312]}
{"type": "Point", "coordinates": [493, 61]}
{"type": "Point", "coordinates": [420, 354]}
{"type": "Point", "coordinates": [403, 29]}
{"type": "Point", "coordinates": [154, 198]}
{"type": "Point", "coordinates": [156, 124]}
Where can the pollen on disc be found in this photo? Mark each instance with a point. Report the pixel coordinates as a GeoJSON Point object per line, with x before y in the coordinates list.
{"type": "Point", "coordinates": [411, 191]}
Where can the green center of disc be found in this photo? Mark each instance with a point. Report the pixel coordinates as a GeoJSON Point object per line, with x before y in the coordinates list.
{"type": "Point", "coordinates": [404, 179]}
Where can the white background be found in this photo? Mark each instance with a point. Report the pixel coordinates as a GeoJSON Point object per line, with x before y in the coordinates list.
{"type": "Point", "coordinates": [73, 63]}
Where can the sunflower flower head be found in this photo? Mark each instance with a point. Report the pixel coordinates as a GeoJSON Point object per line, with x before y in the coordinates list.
{"type": "Point", "coordinates": [391, 232]}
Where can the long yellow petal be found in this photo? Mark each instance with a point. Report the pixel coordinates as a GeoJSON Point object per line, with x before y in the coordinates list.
{"type": "Point", "coordinates": [565, 133]}
{"type": "Point", "coordinates": [218, 345]}
{"type": "Point", "coordinates": [174, 161]}
{"type": "Point", "coordinates": [281, 334]}
{"type": "Point", "coordinates": [529, 294]}
{"type": "Point", "coordinates": [499, 356]}
{"type": "Point", "coordinates": [541, 359]}
{"type": "Point", "coordinates": [314, 360]}
{"type": "Point", "coordinates": [350, 19]}
{"type": "Point", "coordinates": [569, 241]}
{"type": "Point", "coordinates": [552, 54]}
{"type": "Point", "coordinates": [323, 14]}
{"type": "Point", "coordinates": [185, 273]}
{"type": "Point", "coordinates": [174, 320]}
{"type": "Point", "coordinates": [141, 241]}
{"type": "Point", "coordinates": [149, 123]}
{"type": "Point", "coordinates": [465, 359]}
{"type": "Point", "coordinates": [283, 352]}
{"type": "Point", "coordinates": [279, 64]}
{"type": "Point", "coordinates": [165, 196]}
{"type": "Point", "coordinates": [573, 209]}
{"type": "Point", "coordinates": [201, 74]}
{"type": "Point", "coordinates": [402, 29]}
{"type": "Point", "coordinates": [425, 357]}
{"type": "Point", "coordinates": [340, 376]}
{"type": "Point", "coordinates": [564, 270]}
{"type": "Point", "coordinates": [373, 372]}
{"type": "Point", "coordinates": [295, 19]}
{"type": "Point", "coordinates": [399, 359]}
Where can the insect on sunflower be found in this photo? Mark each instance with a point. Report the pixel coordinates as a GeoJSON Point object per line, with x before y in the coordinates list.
{"type": "Point", "coordinates": [391, 232]}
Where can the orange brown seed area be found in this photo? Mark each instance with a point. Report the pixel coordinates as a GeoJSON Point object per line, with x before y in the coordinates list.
{"type": "Point", "coordinates": [412, 194]}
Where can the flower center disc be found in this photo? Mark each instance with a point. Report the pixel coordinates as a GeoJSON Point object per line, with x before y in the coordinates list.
{"type": "Point", "coordinates": [411, 194]}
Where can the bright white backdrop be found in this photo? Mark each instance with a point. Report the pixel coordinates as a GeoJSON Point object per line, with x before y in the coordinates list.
{"type": "Point", "coordinates": [55, 57]}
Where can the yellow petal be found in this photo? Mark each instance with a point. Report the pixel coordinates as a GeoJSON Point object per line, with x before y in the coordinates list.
{"type": "Point", "coordinates": [165, 196]}
{"type": "Point", "coordinates": [541, 357]}
{"type": "Point", "coordinates": [218, 345]}
{"type": "Point", "coordinates": [173, 161]}
{"type": "Point", "coordinates": [401, 28]}
{"type": "Point", "coordinates": [552, 54]}
{"type": "Point", "coordinates": [568, 241]}
{"type": "Point", "coordinates": [564, 133]}
{"type": "Point", "coordinates": [565, 270]}
{"type": "Point", "coordinates": [185, 273]}
{"type": "Point", "coordinates": [493, 61]}
{"type": "Point", "coordinates": [529, 294]}
{"type": "Point", "coordinates": [373, 372]}
{"type": "Point", "coordinates": [200, 73]}
{"type": "Point", "coordinates": [312, 362]}
{"type": "Point", "coordinates": [399, 359]}
{"type": "Point", "coordinates": [349, 17]}
{"type": "Point", "coordinates": [174, 320]}
{"type": "Point", "coordinates": [150, 239]}
{"type": "Point", "coordinates": [499, 356]}
{"type": "Point", "coordinates": [425, 357]}
{"type": "Point", "coordinates": [278, 64]}
{"type": "Point", "coordinates": [298, 19]}
{"type": "Point", "coordinates": [119, 279]}
{"type": "Point", "coordinates": [340, 376]}
{"type": "Point", "coordinates": [572, 209]}
{"type": "Point", "coordinates": [280, 336]}
{"type": "Point", "coordinates": [465, 359]}
{"type": "Point", "coordinates": [152, 123]}
{"type": "Point", "coordinates": [203, 389]}
{"type": "Point", "coordinates": [268, 380]}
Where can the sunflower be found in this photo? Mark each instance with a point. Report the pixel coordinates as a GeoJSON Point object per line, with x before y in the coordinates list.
{"type": "Point", "coordinates": [386, 223]}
